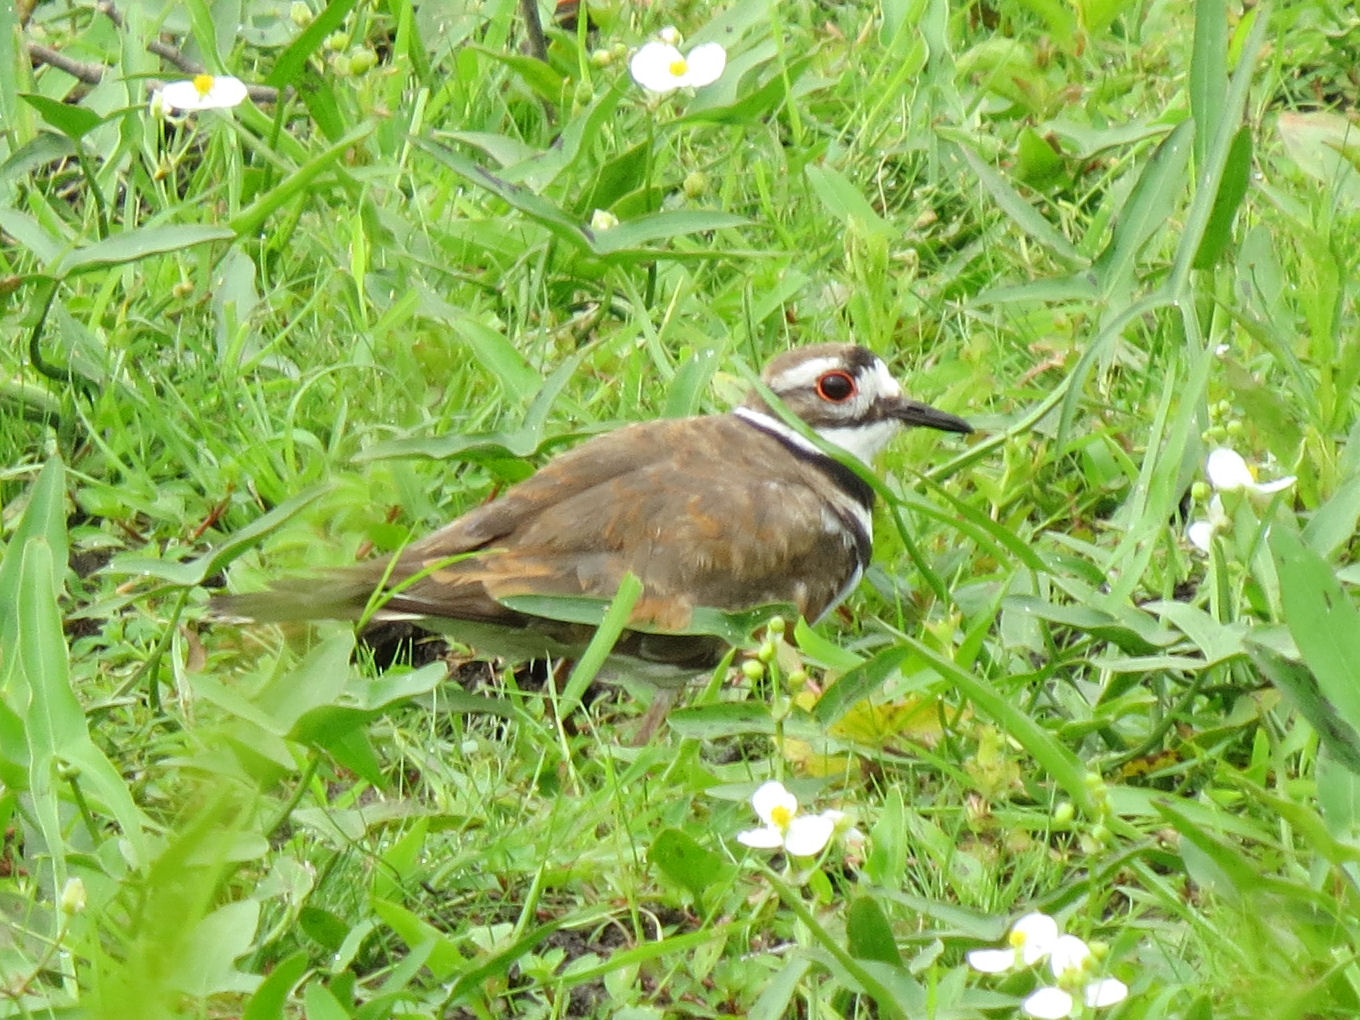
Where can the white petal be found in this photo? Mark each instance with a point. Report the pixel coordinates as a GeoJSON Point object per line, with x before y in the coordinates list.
{"type": "Point", "coordinates": [1106, 992]}
{"type": "Point", "coordinates": [180, 95]}
{"type": "Point", "coordinates": [706, 65]}
{"type": "Point", "coordinates": [1034, 935]}
{"type": "Point", "coordinates": [224, 91]}
{"type": "Point", "coordinates": [808, 835]}
{"type": "Point", "coordinates": [768, 838]}
{"type": "Point", "coordinates": [1049, 1004]}
{"type": "Point", "coordinates": [228, 91]}
{"type": "Point", "coordinates": [992, 961]}
{"type": "Point", "coordinates": [1201, 535]}
{"type": "Point", "coordinates": [1069, 953]}
{"type": "Point", "coordinates": [651, 67]}
{"type": "Point", "coordinates": [769, 798]}
{"type": "Point", "coordinates": [1227, 471]}
{"type": "Point", "coordinates": [1218, 517]}
{"type": "Point", "coordinates": [1279, 485]}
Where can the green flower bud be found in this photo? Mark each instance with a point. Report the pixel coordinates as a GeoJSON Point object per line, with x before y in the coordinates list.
{"type": "Point", "coordinates": [73, 897]}
{"type": "Point", "coordinates": [362, 59]}
{"type": "Point", "coordinates": [696, 185]}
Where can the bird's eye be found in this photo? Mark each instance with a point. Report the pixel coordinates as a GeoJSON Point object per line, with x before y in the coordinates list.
{"type": "Point", "coordinates": [837, 386]}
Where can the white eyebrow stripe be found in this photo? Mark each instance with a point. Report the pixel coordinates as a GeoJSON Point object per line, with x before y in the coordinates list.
{"type": "Point", "coordinates": [804, 374]}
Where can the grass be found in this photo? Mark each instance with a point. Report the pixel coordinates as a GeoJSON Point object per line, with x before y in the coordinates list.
{"type": "Point", "coordinates": [282, 337]}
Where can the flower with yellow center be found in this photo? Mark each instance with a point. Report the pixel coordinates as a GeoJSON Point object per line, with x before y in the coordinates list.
{"type": "Point", "coordinates": [661, 68]}
{"type": "Point", "coordinates": [202, 92]}
{"type": "Point", "coordinates": [784, 828]}
{"type": "Point", "coordinates": [1030, 940]}
{"type": "Point", "coordinates": [1071, 961]}
{"type": "Point", "coordinates": [1228, 471]}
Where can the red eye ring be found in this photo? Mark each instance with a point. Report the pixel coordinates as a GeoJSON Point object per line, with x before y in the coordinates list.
{"type": "Point", "coordinates": [836, 386]}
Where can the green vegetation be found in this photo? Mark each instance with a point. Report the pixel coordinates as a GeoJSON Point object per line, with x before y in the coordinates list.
{"type": "Point", "coordinates": [246, 342]}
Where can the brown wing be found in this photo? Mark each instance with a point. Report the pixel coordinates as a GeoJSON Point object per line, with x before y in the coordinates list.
{"type": "Point", "coordinates": [705, 511]}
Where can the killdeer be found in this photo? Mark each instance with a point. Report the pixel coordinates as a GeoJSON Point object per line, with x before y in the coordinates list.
{"type": "Point", "coordinates": [729, 511]}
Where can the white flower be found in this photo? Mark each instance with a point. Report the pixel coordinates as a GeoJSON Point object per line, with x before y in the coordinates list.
{"type": "Point", "coordinates": [1228, 472]}
{"type": "Point", "coordinates": [661, 68]}
{"type": "Point", "coordinates": [202, 92]}
{"type": "Point", "coordinates": [784, 828]}
{"type": "Point", "coordinates": [1201, 533]}
{"type": "Point", "coordinates": [1030, 940]}
{"type": "Point", "coordinates": [1070, 960]}
{"type": "Point", "coordinates": [1034, 938]}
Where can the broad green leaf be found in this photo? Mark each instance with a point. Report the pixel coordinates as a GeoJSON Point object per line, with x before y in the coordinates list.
{"type": "Point", "coordinates": [859, 683]}
{"type": "Point", "coordinates": [317, 682]}
{"type": "Point", "coordinates": [359, 703]}
{"type": "Point", "coordinates": [1231, 190]}
{"type": "Point", "coordinates": [139, 243]}
{"type": "Point", "coordinates": [869, 934]}
{"type": "Point", "coordinates": [1335, 522]}
{"type": "Point", "coordinates": [688, 864]}
{"type": "Point", "coordinates": [661, 226]}
{"type": "Point", "coordinates": [495, 352]}
{"type": "Point", "coordinates": [544, 79]}
{"type": "Point", "coordinates": [1301, 688]}
{"type": "Point", "coordinates": [38, 152]}
{"type": "Point", "coordinates": [845, 202]}
{"type": "Point", "coordinates": [1132, 630]}
{"type": "Point", "coordinates": [715, 722]}
{"type": "Point", "coordinates": [822, 651]}
{"type": "Point", "coordinates": [689, 385]}
{"type": "Point", "coordinates": [270, 998]}
{"type": "Point", "coordinates": [1024, 215]}
{"type": "Point", "coordinates": [71, 119]}
{"type": "Point", "coordinates": [1208, 75]}
{"type": "Point", "coordinates": [1217, 642]}
{"type": "Point", "coordinates": [1151, 204]}
{"type": "Point", "coordinates": [1324, 146]}
{"type": "Point", "coordinates": [1037, 163]}
{"type": "Point", "coordinates": [504, 149]}
{"type": "Point", "coordinates": [1322, 620]}
{"type": "Point", "coordinates": [214, 943]}
{"type": "Point", "coordinates": [31, 235]}
{"type": "Point", "coordinates": [1212, 861]}
{"type": "Point", "coordinates": [478, 447]}
{"type": "Point", "coordinates": [320, 1003]}
{"type": "Point", "coordinates": [35, 674]}
{"type": "Point", "coordinates": [443, 957]}
{"type": "Point", "coordinates": [776, 997]}
{"type": "Point", "coordinates": [563, 226]}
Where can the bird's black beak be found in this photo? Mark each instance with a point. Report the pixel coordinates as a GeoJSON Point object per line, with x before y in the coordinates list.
{"type": "Point", "coordinates": [911, 412]}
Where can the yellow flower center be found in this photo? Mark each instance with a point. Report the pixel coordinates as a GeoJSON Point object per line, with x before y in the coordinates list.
{"type": "Point", "coordinates": [204, 83]}
{"type": "Point", "coordinates": [781, 816]}
{"type": "Point", "coordinates": [1017, 939]}
{"type": "Point", "coordinates": [679, 68]}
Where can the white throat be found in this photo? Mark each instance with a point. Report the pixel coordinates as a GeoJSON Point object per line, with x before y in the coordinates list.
{"type": "Point", "coordinates": [864, 442]}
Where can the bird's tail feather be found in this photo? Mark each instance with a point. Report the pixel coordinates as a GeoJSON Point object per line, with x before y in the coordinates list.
{"type": "Point", "coordinates": [331, 597]}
